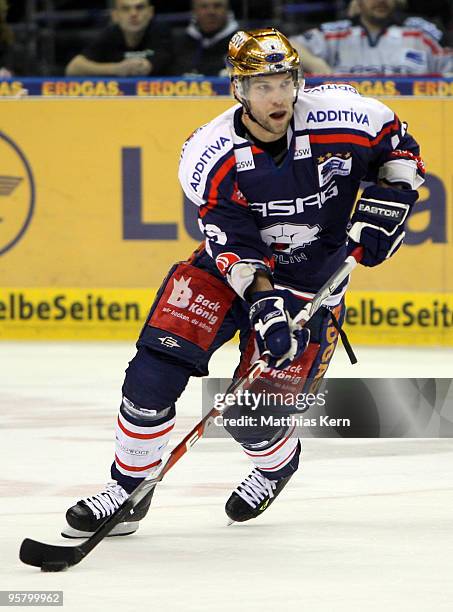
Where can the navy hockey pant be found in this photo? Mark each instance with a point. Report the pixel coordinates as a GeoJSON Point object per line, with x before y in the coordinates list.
{"type": "Point", "coordinates": [193, 315]}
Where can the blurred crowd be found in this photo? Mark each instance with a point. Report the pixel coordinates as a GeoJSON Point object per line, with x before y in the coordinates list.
{"type": "Point", "coordinates": [127, 38]}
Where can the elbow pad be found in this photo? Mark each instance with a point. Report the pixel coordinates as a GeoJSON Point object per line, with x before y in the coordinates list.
{"type": "Point", "coordinates": [404, 168]}
{"type": "Point", "coordinates": [241, 274]}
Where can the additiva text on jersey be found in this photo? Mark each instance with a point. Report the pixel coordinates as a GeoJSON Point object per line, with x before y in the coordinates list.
{"type": "Point", "coordinates": [350, 116]}
{"type": "Point", "coordinates": [205, 158]}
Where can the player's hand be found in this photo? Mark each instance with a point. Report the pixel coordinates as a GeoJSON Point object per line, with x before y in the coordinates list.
{"type": "Point", "coordinates": [275, 330]}
{"type": "Point", "coordinates": [378, 222]}
{"type": "Point", "coordinates": [134, 66]}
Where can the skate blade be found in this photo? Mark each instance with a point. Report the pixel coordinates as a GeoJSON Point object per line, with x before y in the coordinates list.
{"type": "Point", "coordinates": [121, 529]}
{"type": "Point", "coordinates": [230, 522]}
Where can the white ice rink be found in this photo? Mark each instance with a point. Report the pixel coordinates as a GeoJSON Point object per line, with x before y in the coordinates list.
{"type": "Point", "coordinates": [363, 526]}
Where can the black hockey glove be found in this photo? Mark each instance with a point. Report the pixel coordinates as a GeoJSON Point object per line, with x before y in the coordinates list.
{"type": "Point", "coordinates": [378, 222]}
{"type": "Point", "coordinates": [275, 330]}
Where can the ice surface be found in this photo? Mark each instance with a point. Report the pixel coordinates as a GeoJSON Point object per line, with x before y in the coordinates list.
{"type": "Point", "coordinates": [364, 525]}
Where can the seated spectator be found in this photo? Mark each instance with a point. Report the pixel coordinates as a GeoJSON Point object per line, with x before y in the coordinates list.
{"type": "Point", "coordinates": [415, 21]}
{"type": "Point", "coordinates": [375, 41]}
{"type": "Point", "coordinates": [202, 47]}
{"type": "Point", "coordinates": [131, 46]}
{"type": "Point", "coordinates": [6, 43]}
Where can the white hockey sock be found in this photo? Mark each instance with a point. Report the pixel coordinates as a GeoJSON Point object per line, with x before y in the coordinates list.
{"type": "Point", "coordinates": [275, 457]}
{"type": "Point", "coordinates": [138, 450]}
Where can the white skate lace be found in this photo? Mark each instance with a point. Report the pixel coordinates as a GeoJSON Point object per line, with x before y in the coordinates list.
{"type": "Point", "coordinates": [255, 488]}
{"type": "Point", "coordinates": [105, 503]}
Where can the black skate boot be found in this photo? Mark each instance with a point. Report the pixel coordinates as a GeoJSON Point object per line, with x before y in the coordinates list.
{"type": "Point", "coordinates": [90, 512]}
{"type": "Point", "coordinates": [253, 496]}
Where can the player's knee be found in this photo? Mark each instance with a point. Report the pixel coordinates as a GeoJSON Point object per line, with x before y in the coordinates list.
{"type": "Point", "coordinates": [153, 380]}
{"type": "Point", "coordinates": [145, 417]}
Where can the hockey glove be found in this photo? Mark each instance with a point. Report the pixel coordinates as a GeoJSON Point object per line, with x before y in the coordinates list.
{"type": "Point", "coordinates": [378, 222]}
{"type": "Point", "coordinates": [275, 330]}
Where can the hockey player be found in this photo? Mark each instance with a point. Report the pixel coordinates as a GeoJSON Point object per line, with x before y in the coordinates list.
{"type": "Point", "coordinates": [275, 179]}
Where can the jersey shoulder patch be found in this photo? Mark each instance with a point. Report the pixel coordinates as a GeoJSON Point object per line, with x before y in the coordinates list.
{"type": "Point", "coordinates": [203, 150]}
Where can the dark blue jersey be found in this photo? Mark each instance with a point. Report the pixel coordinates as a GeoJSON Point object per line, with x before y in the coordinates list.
{"type": "Point", "coordinates": [293, 217]}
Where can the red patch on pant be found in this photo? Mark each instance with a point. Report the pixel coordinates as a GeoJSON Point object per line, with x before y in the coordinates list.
{"type": "Point", "coordinates": [293, 378]}
{"type": "Point", "coordinates": [193, 305]}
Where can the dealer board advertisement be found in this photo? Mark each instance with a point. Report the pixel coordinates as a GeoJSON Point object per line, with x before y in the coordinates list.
{"type": "Point", "coordinates": [92, 216]}
{"type": "Point", "coordinates": [82, 87]}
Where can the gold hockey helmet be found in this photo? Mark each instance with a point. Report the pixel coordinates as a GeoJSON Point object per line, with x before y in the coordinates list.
{"type": "Point", "coordinates": [261, 52]}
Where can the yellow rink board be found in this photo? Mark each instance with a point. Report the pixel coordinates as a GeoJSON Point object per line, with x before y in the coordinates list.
{"type": "Point", "coordinates": [379, 318]}
{"type": "Point", "coordinates": [75, 236]}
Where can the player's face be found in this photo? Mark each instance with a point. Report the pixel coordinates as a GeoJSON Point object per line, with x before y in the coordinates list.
{"type": "Point", "coordinates": [211, 15]}
{"type": "Point", "coordinates": [377, 10]}
{"type": "Point", "coordinates": [271, 101]}
{"type": "Point", "coordinates": [133, 15]}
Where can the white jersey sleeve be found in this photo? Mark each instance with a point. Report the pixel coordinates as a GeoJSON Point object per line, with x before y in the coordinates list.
{"type": "Point", "coordinates": [202, 152]}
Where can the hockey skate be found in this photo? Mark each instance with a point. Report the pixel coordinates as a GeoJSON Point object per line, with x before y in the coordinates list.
{"type": "Point", "coordinates": [90, 512]}
{"type": "Point", "coordinates": [253, 496]}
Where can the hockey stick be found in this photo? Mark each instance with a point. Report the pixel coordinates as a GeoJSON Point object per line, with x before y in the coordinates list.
{"type": "Point", "coordinates": [53, 558]}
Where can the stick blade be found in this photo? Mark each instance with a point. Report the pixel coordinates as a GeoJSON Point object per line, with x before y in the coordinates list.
{"type": "Point", "coordinates": [49, 557]}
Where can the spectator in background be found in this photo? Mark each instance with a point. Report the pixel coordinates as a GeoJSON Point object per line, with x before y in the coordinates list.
{"type": "Point", "coordinates": [202, 47]}
{"type": "Point", "coordinates": [131, 46]}
{"type": "Point", "coordinates": [416, 20]}
{"type": "Point", "coordinates": [373, 42]}
{"type": "Point", "coordinates": [6, 43]}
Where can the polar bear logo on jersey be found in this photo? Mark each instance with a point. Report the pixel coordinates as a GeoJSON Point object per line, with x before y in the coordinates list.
{"type": "Point", "coordinates": [289, 237]}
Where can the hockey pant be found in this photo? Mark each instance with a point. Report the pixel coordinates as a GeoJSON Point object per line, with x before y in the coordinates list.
{"type": "Point", "coordinates": [193, 315]}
